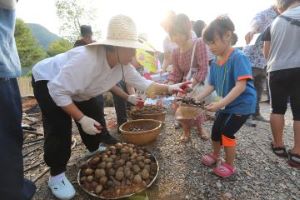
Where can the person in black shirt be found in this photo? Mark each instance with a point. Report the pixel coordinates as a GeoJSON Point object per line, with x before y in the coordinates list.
{"type": "Point", "coordinates": [86, 36]}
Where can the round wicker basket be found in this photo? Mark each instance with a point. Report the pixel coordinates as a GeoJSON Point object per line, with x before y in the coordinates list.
{"type": "Point", "coordinates": [151, 129]}
{"type": "Point", "coordinates": [156, 116]}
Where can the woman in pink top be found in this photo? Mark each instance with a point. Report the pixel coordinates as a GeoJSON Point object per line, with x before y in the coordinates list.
{"type": "Point", "coordinates": [190, 62]}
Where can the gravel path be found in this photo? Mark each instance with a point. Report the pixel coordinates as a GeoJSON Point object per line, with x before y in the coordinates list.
{"type": "Point", "coordinates": [261, 175]}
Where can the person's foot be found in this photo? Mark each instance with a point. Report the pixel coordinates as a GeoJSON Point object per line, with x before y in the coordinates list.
{"type": "Point", "coordinates": [108, 139]}
{"type": "Point", "coordinates": [250, 122]}
{"type": "Point", "coordinates": [177, 125]}
{"type": "Point", "coordinates": [184, 138]}
{"type": "Point", "coordinates": [224, 170]}
{"type": "Point", "coordinates": [61, 187]}
{"type": "Point", "coordinates": [100, 149]}
{"type": "Point", "coordinates": [260, 118]}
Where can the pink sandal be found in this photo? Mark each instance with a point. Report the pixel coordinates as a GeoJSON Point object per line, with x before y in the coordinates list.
{"type": "Point", "coordinates": [209, 159]}
{"type": "Point", "coordinates": [224, 170]}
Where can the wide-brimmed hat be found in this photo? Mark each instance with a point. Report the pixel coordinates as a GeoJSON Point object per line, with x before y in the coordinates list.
{"type": "Point", "coordinates": [122, 32]}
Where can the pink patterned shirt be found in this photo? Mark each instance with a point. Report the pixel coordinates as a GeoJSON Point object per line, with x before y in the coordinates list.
{"type": "Point", "coordinates": [182, 63]}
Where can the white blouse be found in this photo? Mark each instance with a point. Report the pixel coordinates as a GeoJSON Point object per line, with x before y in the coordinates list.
{"type": "Point", "coordinates": [83, 73]}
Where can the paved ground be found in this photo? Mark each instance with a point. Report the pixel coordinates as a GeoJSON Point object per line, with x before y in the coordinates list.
{"type": "Point", "coordinates": [261, 175]}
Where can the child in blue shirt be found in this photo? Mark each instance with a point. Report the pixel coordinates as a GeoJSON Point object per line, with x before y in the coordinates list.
{"type": "Point", "coordinates": [231, 77]}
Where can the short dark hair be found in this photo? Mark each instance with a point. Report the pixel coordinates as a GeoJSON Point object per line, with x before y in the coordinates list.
{"type": "Point", "coordinates": [181, 25]}
{"type": "Point", "coordinates": [85, 30]}
{"type": "Point", "coordinates": [219, 26]}
{"type": "Point", "coordinates": [198, 27]}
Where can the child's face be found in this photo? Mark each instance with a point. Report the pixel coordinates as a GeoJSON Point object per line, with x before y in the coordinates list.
{"type": "Point", "coordinates": [219, 45]}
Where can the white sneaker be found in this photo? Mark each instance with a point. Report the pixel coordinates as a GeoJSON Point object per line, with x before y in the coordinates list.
{"type": "Point", "coordinates": [100, 149]}
{"type": "Point", "coordinates": [62, 188]}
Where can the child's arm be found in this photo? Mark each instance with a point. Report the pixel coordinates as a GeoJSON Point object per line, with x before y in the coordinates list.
{"type": "Point", "coordinates": [208, 89]}
{"type": "Point", "coordinates": [236, 91]}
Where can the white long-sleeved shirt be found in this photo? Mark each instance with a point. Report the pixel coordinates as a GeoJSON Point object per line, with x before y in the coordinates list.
{"type": "Point", "coordinates": [83, 73]}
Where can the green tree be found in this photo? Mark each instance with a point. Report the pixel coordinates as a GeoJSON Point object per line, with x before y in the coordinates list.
{"type": "Point", "coordinates": [59, 46]}
{"type": "Point", "coordinates": [72, 14]}
{"type": "Point", "coordinates": [30, 52]}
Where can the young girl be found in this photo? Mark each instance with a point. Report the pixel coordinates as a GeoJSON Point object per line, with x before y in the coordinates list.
{"type": "Point", "coordinates": [231, 78]}
{"type": "Point", "coordinates": [191, 53]}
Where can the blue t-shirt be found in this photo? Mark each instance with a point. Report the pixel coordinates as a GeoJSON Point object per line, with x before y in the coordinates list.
{"type": "Point", "coordinates": [10, 66]}
{"type": "Point", "coordinates": [224, 77]}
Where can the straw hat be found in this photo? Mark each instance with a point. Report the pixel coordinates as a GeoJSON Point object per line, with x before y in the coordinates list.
{"type": "Point", "coordinates": [122, 33]}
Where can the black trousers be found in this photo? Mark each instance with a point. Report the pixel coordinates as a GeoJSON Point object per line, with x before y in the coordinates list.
{"type": "Point", "coordinates": [58, 128]}
{"type": "Point", "coordinates": [120, 105]}
{"type": "Point", "coordinates": [259, 76]}
{"type": "Point", "coordinates": [284, 87]}
{"type": "Point", "coordinates": [227, 125]}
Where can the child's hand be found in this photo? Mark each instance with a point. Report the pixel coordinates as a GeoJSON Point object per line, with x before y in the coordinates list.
{"type": "Point", "coordinates": [213, 107]}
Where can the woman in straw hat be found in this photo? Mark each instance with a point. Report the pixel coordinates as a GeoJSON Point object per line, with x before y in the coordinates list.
{"type": "Point", "coordinates": [66, 90]}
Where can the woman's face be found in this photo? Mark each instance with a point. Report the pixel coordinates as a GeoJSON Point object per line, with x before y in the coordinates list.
{"type": "Point", "coordinates": [219, 45]}
{"type": "Point", "coordinates": [179, 39]}
{"type": "Point", "coordinates": [125, 55]}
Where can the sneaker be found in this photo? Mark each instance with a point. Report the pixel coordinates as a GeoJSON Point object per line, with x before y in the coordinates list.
{"type": "Point", "coordinates": [250, 122]}
{"type": "Point", "coordinates": [61, 188]}
{"type": "Point", "coordinates": [260, 118]}
{"type": "Point", "coordinates": [108, 139]}
{"type": "Point", "coordinates": [100, 149]}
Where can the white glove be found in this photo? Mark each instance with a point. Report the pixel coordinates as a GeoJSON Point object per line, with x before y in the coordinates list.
{"type": "Point", "coordinates": [179, 87]}
{"type": "Point", "coordinates": [134, 99]}
{"type": "Point", "coordinates": [89, 125]}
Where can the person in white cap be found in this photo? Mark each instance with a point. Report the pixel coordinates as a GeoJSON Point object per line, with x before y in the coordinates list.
{"type": "Point", "coordinates": [65, 90]}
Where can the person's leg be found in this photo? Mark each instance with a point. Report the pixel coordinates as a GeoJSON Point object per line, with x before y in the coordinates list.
{"type": "Point", "coordinates": [279, 93]}
{"type": "Point", "coordinates": [91, 108]}
{"type": "Point", "coordinates": [259, 79]}
{"type": "Point", "coordinates": [57, 147]}
{"type": "Point", "coordinates": [212, 158]}
{"type": "Point", "coordinates": [57, 129]}
{"type": "Point", "coordinates": [216, 134]}
{"type": "Point", "coordinates": [186, 130]}
{"type": "Point", "coordinates": [231, 126]}
{"type": "Point", "coordinates": [100, 100]}
{"type": "Point", "coordinates": [295, 105]}
{"type": "Point", "coordinates": [120, 105]}
{"type": "Point", "coordinates": [11, 139]}
{"type": "Point", "coordinates": [296, 148]}
{"type": "Point", "coordinates": [202, 132]}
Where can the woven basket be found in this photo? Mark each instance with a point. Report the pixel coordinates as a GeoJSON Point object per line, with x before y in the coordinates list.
{"type": "Point", "coordinates": [187, 112]}
{"type": "Point", "coordinates": [156, 116]}
{"type": "Point", "coordinates": [151, 129]}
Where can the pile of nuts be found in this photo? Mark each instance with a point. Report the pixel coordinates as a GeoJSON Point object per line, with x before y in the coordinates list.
{"type": "Point", "coordinates": [121, 170]}
{"type": "Point", "coordinates": [149, 109]}
{"type": "Point", "coordinates": [136, 129]}
{"type": "Point", "coordinates": [191, 101]}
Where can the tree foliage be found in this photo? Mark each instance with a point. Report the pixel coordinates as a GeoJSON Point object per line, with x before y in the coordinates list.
{"type": "Point", "coordinates": [59, 46]}
{"type": "Point", "coordinates": [30, 52]}
{"type": "Point", "coordinates": [72, 14]}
